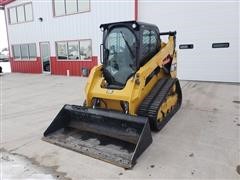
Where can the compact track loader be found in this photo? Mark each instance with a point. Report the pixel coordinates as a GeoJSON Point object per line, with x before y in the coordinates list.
{"type": "Point", "coordinates": [133, 91]}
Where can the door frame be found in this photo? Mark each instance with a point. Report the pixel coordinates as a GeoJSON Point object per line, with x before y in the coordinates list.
{"type": "Point", "coordinates": [49, 57]}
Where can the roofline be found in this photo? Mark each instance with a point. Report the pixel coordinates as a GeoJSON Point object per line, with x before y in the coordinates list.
{"type": "Point", "coordinates": [5, 2]}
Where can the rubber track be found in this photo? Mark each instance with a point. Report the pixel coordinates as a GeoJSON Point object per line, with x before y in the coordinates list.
{"type": "Point", "coordinates": [151, 104]}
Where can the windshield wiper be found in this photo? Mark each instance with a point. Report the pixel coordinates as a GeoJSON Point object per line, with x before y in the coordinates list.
{"type": "Point", "coordinates": [129, 48]}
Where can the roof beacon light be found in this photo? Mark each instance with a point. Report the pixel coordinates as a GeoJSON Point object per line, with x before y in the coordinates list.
{"type": "Point", "coordinates": [134, 25]}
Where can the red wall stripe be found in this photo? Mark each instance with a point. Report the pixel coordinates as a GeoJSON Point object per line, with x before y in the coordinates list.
{"type": "Point", "coordinates": [57, 67]}
{"type": "Point", "coordinates": [26, 66]}
{"type": "Point", "coordinates": [74, 67]}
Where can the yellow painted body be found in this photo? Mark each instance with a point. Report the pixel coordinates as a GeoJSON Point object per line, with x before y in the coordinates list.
{"type": "Point", "coordinates": [135, 90]}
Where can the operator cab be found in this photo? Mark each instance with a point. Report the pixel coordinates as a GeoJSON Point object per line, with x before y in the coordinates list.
{"type": "Point", "coordinates": [126, 47]}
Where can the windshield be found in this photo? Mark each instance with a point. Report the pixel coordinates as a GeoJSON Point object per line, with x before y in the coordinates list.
{"type": "Point", "coordinates": [120, 48]}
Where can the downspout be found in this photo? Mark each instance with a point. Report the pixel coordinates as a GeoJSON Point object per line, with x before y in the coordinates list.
{"type": "Point", "coordinates": [9, 50]}
{"type": "Point", "coordinates": [136, 10]}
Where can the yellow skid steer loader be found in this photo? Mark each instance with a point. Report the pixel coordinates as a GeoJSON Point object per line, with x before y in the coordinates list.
{"type": "Point", "coordinates": [133, 91]}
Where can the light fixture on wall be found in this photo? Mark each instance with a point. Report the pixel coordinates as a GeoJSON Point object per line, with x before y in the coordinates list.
{"type": "Point", "coordinates": [40, 19]}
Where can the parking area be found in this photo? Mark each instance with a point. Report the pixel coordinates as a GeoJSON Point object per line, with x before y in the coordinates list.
{"type": "Point", "coordinates": [5, 66]}
{"type": "Point", "coordinates": [201, 141]}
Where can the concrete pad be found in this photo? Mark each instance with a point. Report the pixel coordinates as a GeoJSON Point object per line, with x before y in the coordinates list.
{"type": "Point", "coordinates": [201, 140]}
{"type": "Point", "coordinates": [17, 167]}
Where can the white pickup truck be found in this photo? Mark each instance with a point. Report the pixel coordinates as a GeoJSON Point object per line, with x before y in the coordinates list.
{"type": "Point", "coordinates": [4, 55]}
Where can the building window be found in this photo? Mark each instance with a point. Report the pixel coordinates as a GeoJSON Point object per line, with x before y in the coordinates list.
{"type": "Point", "coordinates": [28, 12]}
{"type": "Point", "coordinates": [24, 51]}
{"type": "Point", "coordinates": [66, 7]}
{"type": "Point", "coordinates": [74, 50]}
{"type": "Point", "coordinates": [83, 5]}
{"type": "Point", "coordinates": [16, 51]}
{"type": "Point", "coordinates": [59, 6]}
{"type": "Point", "coordinates": [13, 15]}
{"type": "Point", "coordinates": [71, 7]}
{"type": "Point", "coordinates": [32, 51]}
{"type": "Point", "coordinates": [85, 49]}
{"type": "Point", "coordinates": [62, 50]}
{"type": "Point", "coordinates": [20, 13]}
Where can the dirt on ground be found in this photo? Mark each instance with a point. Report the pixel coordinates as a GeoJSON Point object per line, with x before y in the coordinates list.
{"type": "Point", "coordinates": [14, 166]}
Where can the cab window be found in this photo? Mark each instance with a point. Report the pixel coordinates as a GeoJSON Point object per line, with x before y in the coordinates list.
{"type": "Point", "coordinates": [149, 41]}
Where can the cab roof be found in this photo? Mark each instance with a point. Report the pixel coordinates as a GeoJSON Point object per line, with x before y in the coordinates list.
{"type": "Point", "coordinates": [109, 25]}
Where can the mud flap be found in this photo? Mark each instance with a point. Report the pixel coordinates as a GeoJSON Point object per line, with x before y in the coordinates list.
{"type": "Point", "coordinates": [111, 136]}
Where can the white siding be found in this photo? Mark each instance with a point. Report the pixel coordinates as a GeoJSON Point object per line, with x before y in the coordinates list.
{"type": "Point", "coordinates": [200, 23]}
{"type": "Point", "coordinates": [77, 26]}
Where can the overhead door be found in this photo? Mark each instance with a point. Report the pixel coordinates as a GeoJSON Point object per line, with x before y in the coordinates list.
{"type": "Point", "coordinates": [207, 34]}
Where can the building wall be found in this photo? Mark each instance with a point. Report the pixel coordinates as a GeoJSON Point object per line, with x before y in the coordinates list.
{"type": "Point", "coordinates": [198, 23]}
{"type": "Point", "coordinates": [26, 66]}
{"type": "Point", "coordinates": [71, 27]}
{"type": "Point", "coordinates": [201, 24]}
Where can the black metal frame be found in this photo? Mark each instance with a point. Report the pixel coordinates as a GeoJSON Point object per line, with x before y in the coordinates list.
{"type": "Point", "coordinates": [140, 60]}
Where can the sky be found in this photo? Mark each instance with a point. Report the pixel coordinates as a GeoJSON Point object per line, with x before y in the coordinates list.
{"type": "Point", "coordinates": [3, 33]}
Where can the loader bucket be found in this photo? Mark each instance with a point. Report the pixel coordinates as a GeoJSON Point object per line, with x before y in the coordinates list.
{"type": "Point", "coordinates": [111, 136]}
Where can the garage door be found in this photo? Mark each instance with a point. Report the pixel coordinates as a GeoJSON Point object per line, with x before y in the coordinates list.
{"type": "Point", "coordinates": [207, 34]}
